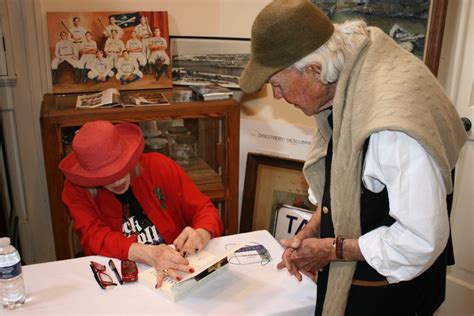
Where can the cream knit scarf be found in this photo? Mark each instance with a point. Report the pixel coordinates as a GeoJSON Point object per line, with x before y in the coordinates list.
{"type": "Point", "coordinates": [382, 87]}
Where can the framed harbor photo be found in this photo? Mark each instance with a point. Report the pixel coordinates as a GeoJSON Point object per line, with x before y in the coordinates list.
{"type": "Point", "coordinates": [271, 182]}
{"type": "Point", "coordinates": [206, 60]}
{"type": "Point", "coordinates": [417, 26]}
{"type": "Point", "coordinates": [93, 51]}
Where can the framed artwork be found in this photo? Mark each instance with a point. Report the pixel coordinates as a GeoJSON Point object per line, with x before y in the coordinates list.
{"type": "Point", "coordinates": [93, 51]}
{"type": "Point", "coordinates": [416, 25]}
{"type": "Point", "coordinates": [271, 182]}
{"type": "Point", "coordinates": [3, 57]}
{"type": "Point", "coordinates": [205, 60]}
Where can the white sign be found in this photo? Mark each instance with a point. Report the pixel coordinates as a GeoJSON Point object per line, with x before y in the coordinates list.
{"type": "Point", "coordinates": [289, 220]}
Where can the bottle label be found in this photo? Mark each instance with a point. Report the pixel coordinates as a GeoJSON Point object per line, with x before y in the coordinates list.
{"type": "Point", "coordinates": [11, 271]}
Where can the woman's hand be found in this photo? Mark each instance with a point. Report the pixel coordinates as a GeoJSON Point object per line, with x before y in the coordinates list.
{"type": "Point", "coordinates": [165, 259]}
{"type": "Point", "coordinates": [191, 240]}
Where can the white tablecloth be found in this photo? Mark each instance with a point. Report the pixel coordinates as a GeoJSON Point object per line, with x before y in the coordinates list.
{"type": "Point", "coordinates": [68, 288]}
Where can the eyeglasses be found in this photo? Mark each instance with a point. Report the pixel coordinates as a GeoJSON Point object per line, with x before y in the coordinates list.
{"type": "Point", "coordinates": [102, 278]}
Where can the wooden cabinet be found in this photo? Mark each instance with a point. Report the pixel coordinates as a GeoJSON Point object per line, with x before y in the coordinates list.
{"type": "Point", "coordinates": [215, 169]}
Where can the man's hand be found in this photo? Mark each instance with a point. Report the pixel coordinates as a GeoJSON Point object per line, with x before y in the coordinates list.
{"type": "Point", "coordinates": [286, 261]}
{"type": "Point", "coordinates": [311, 255]}
{"type": "Point", "coordinates": [314, 254]}
{"type": "Point", "coordinates": [291, 245]}
{"type": "Point", "coordinates": [191, 240]}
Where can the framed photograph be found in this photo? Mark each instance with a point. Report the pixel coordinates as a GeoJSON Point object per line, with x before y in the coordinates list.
{"type": "Point", "coordinates": [416, 25]}
{"type": "Point", "coordinates": [93, 51]}
{"type": "Point", "coordinates": [271, 182]}
{"type": "Point", "coordinates": [205, 60]}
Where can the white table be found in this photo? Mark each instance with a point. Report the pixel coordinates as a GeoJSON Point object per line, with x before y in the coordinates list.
{"type": "Point", "coordinates": [68, 288]}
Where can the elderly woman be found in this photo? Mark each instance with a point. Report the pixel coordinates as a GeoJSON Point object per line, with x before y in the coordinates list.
{"type": "Point", "coordinates": [130, 205]}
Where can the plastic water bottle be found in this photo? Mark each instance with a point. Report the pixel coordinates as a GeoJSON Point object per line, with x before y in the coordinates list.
{"type": "Point", "coordinates": [12, 288]}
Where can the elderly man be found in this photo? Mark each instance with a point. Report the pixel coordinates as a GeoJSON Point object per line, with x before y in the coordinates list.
{"type": "Point", "coordinates": [380, 165]}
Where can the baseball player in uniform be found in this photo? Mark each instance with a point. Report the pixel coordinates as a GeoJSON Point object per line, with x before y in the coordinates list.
{"type": "Point", "coordinates": [114, 47]}
{"type": "Point", "coordinates": [127, 69]}
{"type": "Point", "coordinates": [144, 33]}
{"type": "Point", "coordinates": [87, 53]}
{"type": "Point", "coordinates": [135, 49]}
{"type": "Point", "coordinates": [159, 59]}
{"type": "Point", "coordinates": [113, 26]}
{"type": "Point", "coordinates": [100, 68]}
{"type": "Point", "coordinates": [63, 52]}
{"type": "Point", "coordinates": [78, 34]}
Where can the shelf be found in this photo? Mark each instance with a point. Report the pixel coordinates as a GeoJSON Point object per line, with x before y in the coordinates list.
{"type": "Point", "coordinates": [206, 179]}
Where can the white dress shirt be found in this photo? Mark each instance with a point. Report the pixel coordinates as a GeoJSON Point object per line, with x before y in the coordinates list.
{"type": "Point", "coordinates": [417, 202]}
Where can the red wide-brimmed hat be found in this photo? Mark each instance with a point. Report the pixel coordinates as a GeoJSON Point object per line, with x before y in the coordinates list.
{"type": "Point", "coordinates": [102, 153]}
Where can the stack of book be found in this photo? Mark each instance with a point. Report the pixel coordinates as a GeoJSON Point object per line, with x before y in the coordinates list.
{"type": "Point", "coordinates": [212, 92]}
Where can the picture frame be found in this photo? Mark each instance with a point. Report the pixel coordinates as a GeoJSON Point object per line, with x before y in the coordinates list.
{"type": "Point", "coordinates": [417, 25]}
{"type": "Point", "coordinates": [206, 60]}
{"type": "Point", "coordinates": [133, 55]}
{"type": "Point", "coordinates": [269, 183]}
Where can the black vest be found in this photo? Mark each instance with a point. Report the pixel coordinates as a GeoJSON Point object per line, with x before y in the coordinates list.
{"type": "Point", "coordinates": [420, 296]}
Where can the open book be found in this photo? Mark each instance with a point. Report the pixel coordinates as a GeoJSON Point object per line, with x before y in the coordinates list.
{"type": "Point", "coordinates": [206, 267]}
{"type": "Point", "coordinates": [112, 97]}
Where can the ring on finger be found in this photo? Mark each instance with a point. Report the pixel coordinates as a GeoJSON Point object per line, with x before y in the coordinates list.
{"type": "Point", "coordinates": [165, 271]}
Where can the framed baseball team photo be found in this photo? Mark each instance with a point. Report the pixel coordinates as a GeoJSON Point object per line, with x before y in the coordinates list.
{"type": "Point", "coordinates": [93, 51]}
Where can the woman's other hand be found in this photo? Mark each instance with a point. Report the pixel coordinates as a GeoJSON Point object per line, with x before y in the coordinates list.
{"type": "Point", "coordinates": [192, 240]}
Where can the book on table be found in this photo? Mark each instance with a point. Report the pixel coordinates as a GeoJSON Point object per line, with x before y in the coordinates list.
{"type": "Point", "coordinates": [113, 97]}
{"type": "Point", "coordinates": [206, 266]}
{"type": "Point", "coordinates": [212, 92]}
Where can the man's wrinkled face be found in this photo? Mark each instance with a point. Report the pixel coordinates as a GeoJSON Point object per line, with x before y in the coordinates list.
{"type": "Point", "coordinates": [303, 89]}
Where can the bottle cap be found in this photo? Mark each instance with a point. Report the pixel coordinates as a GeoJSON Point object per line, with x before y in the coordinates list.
{"type": "Point", "coordinates": [5, 241]}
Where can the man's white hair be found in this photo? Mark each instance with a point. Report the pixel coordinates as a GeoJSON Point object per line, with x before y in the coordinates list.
{"type": "Point", "coordinates": [332, 54]}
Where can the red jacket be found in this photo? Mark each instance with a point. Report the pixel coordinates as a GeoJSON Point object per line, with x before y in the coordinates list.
{"type": "Point", "coordinates": [99, 220]}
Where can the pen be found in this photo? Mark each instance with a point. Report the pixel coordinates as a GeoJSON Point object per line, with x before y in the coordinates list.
{"type": "Point", "coordinates": [112, 266]}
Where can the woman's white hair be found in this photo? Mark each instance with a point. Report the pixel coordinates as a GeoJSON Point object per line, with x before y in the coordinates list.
{"type": "Point", "coordinates": [332, 54]}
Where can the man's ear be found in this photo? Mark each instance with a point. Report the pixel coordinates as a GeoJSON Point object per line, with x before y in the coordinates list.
{"type": "Point", "coordinates": [313, 68]}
